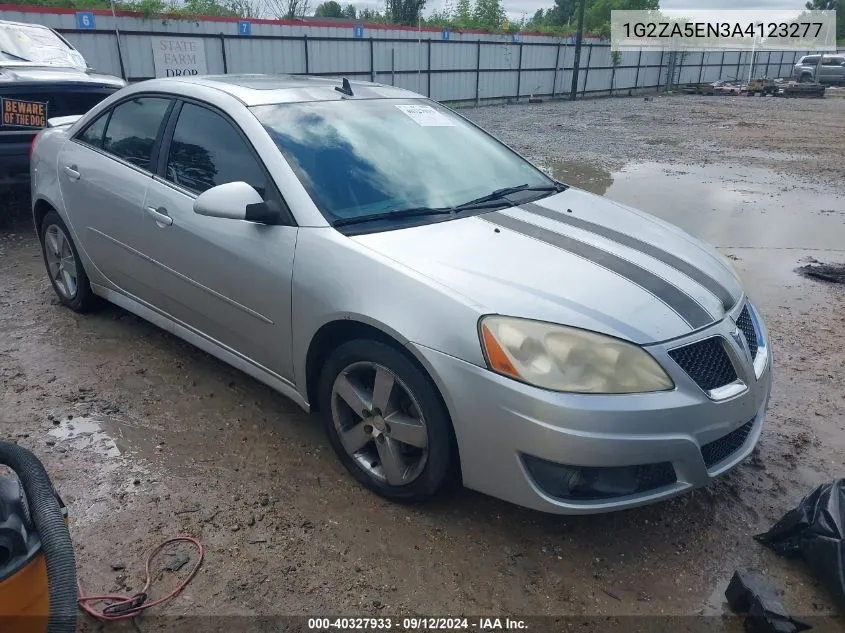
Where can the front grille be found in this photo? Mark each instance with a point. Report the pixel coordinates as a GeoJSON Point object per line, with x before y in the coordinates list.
{"type": "Point", "coordinates": [724, 447]}
{"type": "Point", "coordinates": [745, 324]}
{"type": "Point", "coordinates": [706, 362]}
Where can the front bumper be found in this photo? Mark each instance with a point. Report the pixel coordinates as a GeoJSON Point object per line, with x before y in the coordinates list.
{"type": "Point", "coordinates": [499, 421]}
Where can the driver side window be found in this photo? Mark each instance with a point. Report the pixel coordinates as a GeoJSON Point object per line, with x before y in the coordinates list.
{"type": "Point", "coordinates": [207, 151]}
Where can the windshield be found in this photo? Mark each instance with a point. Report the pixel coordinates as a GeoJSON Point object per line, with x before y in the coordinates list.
{"type": "Point", "coordinates": [359, 159]}
{"type": "Point", "coordinates": [22, 43]}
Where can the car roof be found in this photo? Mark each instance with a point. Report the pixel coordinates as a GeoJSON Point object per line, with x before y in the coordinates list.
{"type": "Point", "coordinates": [260, 89]}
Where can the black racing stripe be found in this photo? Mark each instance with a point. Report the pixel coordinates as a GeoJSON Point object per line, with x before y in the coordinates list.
{"type": "Point", "coordinates": [685, 306]}
{"type": "Point", "coordinates": [696, 274]}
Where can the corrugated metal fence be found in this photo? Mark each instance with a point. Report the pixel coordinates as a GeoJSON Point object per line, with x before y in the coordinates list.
{"type": "Point", "coordinates": [452, 67]}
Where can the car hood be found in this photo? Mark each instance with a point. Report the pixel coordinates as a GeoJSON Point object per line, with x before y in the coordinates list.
{"type": "Point", "coordinates": [576, 259]}
{"type": "Point", "coordinates": [36, 73]}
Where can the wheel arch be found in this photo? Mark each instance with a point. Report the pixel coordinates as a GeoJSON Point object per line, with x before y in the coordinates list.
{"type": "Point", "coordinates": [338, 331]}
{"type": "Point", "coordinates": [40, 208]}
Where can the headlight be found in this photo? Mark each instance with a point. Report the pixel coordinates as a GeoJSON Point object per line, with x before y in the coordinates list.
{"type": "Point", "coordinates": [562, 358]}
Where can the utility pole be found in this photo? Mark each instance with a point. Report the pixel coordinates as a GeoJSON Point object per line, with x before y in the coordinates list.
{"type": "Point", "coordinates": [117, 38]}
{"type": "Point", "coordinates": [579, 39]}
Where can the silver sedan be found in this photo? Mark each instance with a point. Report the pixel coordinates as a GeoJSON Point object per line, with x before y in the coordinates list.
{"type": "Point", "coordinates": [451, 312]}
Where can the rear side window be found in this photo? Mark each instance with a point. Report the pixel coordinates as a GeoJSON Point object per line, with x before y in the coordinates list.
{"type": "Point", "coordinates": [93, 134]}
{"type": "Point", "coordinates": [207, 151]}
{"type": "Point", "coordinates": [133, 127]}
{"type": "Point", "coordinates": [832, 61]}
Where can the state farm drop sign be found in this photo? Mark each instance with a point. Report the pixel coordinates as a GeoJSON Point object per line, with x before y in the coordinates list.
{"type": "Point", "coordinates": [178, 56]}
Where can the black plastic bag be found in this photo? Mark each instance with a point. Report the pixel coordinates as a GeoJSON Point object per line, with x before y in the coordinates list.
{"type": "Point", "coordinates": [815, 532]}
{"type": "Point", "coordinates": [751, 594]}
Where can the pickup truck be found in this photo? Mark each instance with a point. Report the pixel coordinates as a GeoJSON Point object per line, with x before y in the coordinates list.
{"type": "Point", "coordinates": [42, 77]}
{"type": "Point", "coordinates": [831, 70]}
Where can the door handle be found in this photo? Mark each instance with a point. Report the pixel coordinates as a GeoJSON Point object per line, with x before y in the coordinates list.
{"type": "Point", "coordinates": [160, 215]}
{"type": "Point", "coordinates": [71, 172]}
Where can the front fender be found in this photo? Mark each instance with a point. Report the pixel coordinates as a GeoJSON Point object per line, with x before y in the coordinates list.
{"type": "Point", "coordinates": [336, 278]}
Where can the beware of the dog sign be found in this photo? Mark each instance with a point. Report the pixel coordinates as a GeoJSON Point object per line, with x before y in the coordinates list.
{"type": "Point", "coordinates": [179, 56]}
{"type": "Point", "coordinates": [20, 113]}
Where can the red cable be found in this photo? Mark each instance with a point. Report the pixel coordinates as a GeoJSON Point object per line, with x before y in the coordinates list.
{"type": "Point", "coordinates": [122, 607]}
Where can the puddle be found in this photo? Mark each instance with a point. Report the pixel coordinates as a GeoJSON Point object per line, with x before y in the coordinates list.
{"type": "Point", "coordinates": [82, 433]}
{"type": "Point", "coordinates": [729, 207]}
{"type": "Point", "coordinates": [716, 604]}
{"type": "Point", "coordinates": [104, 471]}
{"type": "Point", "coordinates": [582, 175]}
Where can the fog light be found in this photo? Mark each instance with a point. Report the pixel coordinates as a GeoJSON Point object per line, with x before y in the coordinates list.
{"type": "Point", "coordinates": [586, 482]}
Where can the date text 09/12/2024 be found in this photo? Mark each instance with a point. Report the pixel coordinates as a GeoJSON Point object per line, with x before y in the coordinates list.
{"type": "Point", "coordinates": [417, 624]}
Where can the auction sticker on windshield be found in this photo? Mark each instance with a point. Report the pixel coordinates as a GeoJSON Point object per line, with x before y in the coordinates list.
{"type": "Point", "coordinates": [19, 113]}
{"type": "Point", "coordinates": [426, 116]}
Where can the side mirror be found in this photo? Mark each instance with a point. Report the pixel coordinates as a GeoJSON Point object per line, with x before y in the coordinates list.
{"type": "Point", "coordinates": [235, 201]}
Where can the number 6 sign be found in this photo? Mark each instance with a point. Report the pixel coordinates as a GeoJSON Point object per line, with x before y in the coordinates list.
{"type": "Point", "coordinates": [85, 20]}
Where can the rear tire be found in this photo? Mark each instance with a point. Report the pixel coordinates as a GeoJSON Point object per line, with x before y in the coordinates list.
{"type": "Point", "coordinates": [67, 276]}
{"type": "Point", "coordinates": [386, 421]}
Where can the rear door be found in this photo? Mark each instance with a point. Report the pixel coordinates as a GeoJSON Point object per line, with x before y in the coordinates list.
{"type": "Point", "coordinates": [230, 280]}
{"type": "Point", "coordinates": [104, 173]}
{"type": "Point", "coordinates": [831, 70]}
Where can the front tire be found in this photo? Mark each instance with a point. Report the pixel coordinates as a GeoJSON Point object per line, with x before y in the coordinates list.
{"type": "Point", "coordinates": [67, 276]}
{"type": "Point", "coordinates": [386, 421]}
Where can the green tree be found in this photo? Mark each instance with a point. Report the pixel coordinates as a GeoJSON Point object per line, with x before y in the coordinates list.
{"type": "Point", "coordinates": [489, 14]}
{"type": "Point", "coordinates": [330, 9]}
{"type": "Point", "coordinates": [242, 8]}
{"type": "Point", "coordinates": [371, 15]}
{"type": "Point", "coordinates": [463, 14]}
{"type": "Point", "coordinates": [208, 7]}
{"type": "Point", "coordinates": [443, 17]}
{"type": "Point", "coordinates": [349, 12]}
{"type": "Point", "coordinates": [407, 12]}
{"type": "Point", "coordinates": [831, 5]}
{"type": "Point", "coordinates": [597, 17]}
{"type": "Point", "coordinates": [563, 12]}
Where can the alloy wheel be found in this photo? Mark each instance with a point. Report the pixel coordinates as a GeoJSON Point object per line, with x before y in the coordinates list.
{"type": "Point", "coordinates": [61, 262]}
{"type": "Point", "coordinates": [380, 423]}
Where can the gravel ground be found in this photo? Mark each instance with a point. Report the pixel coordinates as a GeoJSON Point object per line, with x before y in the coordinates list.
{"type": "Point", "coordinates": [795, 136]}
{"type": "Point", "coordinates": [147, 438]}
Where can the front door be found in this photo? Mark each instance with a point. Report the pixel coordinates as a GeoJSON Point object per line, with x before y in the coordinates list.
{"type": "Point", "coordinates": [229, 280]}
{"type": "Point", "coordinates": [104, 172]}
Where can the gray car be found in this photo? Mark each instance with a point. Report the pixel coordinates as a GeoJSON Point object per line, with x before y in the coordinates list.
{"type": "Point", "coordinates": [451, 312]}
{"type": "Point", "coordinates": [830, 71]}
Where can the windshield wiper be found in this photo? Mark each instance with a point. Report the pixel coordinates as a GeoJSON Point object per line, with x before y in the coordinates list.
{"type": "Point", "coordinates": [496, 199]}
{"type": "Point", "coordinates": [17, 57]}
{"type": "Point", "coordinates": [502, 194]}
{"type": "Point", "coordinates": [390, 215]}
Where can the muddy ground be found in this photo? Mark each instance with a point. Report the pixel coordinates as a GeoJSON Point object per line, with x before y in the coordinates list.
{"type": "Point", "coordinates": [147, 438]}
